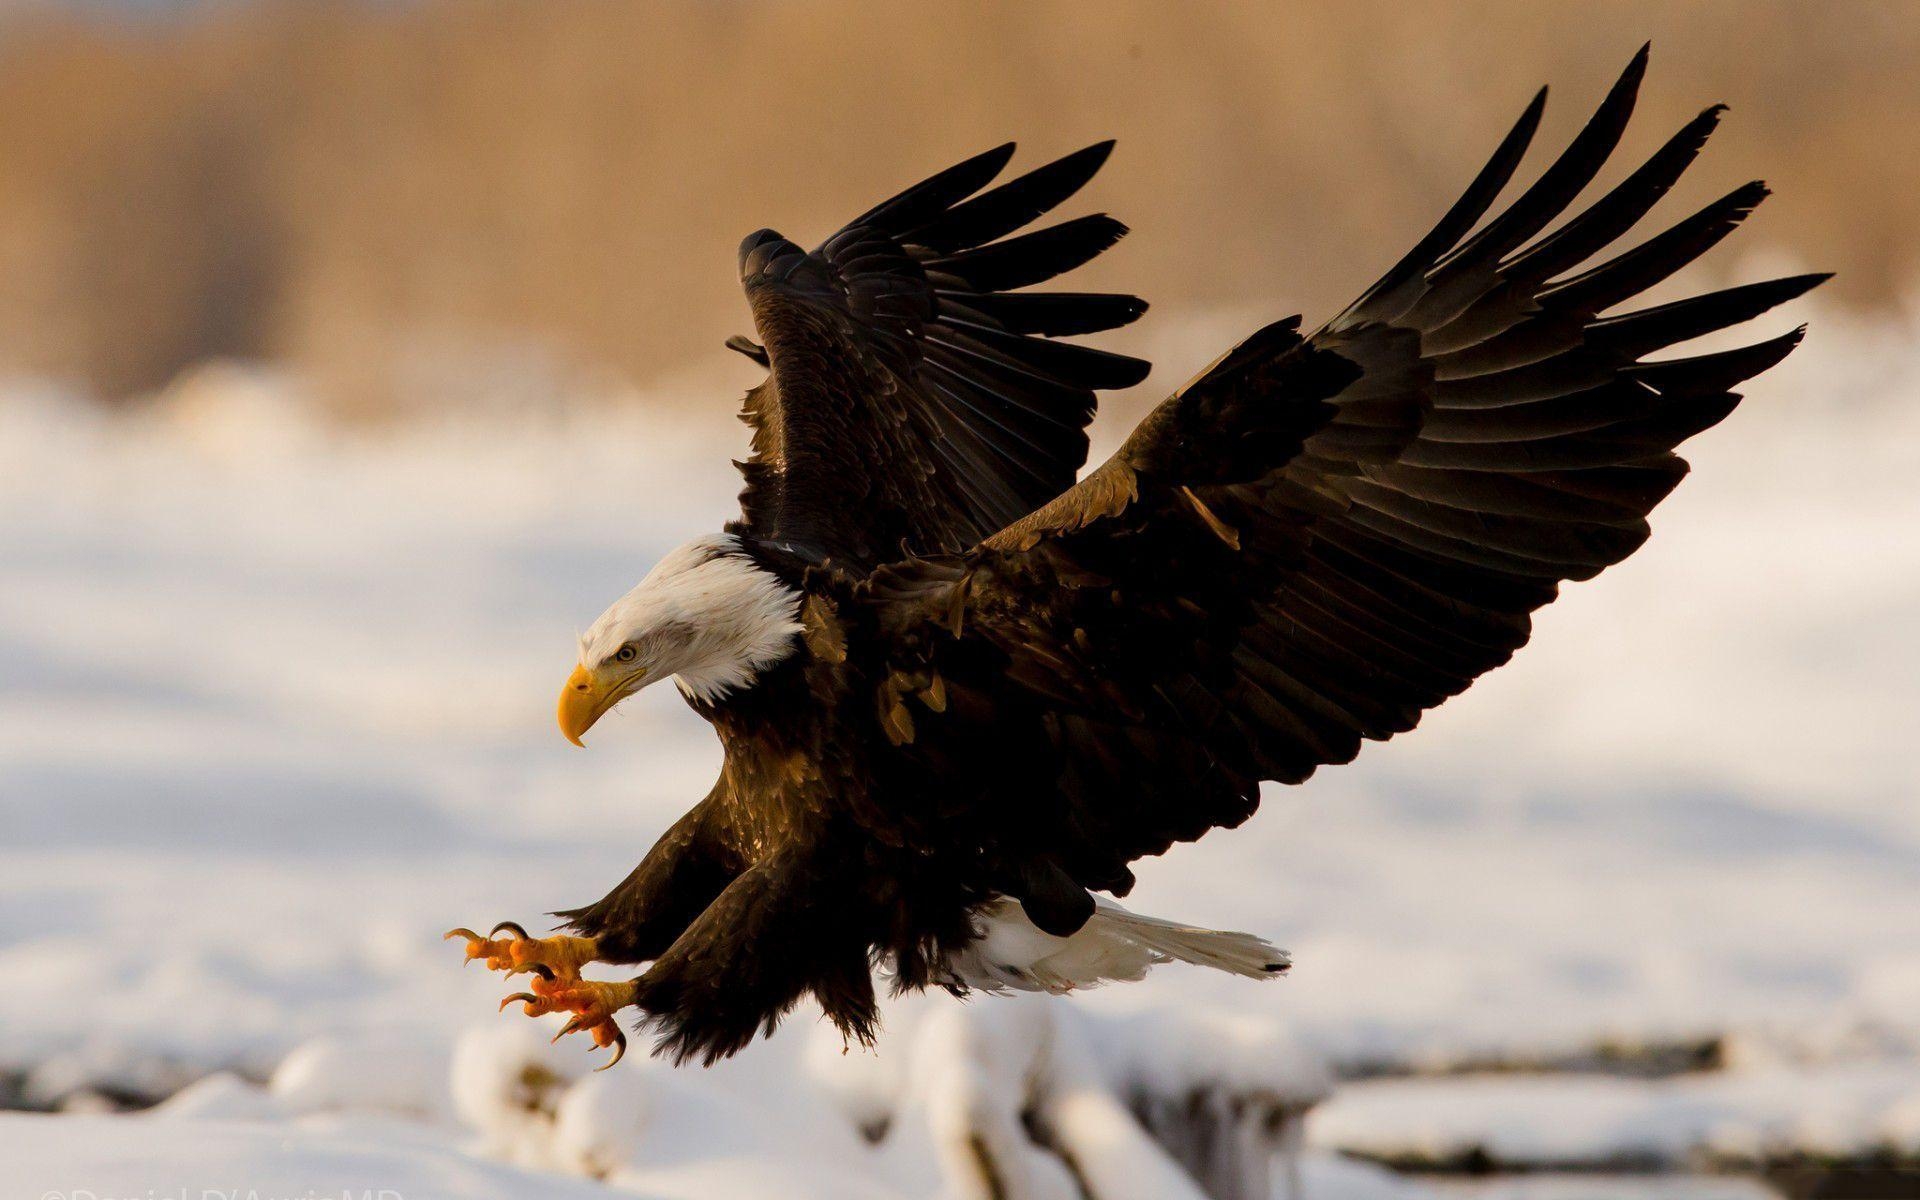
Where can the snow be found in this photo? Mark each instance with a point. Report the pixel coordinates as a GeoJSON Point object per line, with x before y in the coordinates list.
{"type": "Point", "coordinates": [512, 1111]}
{"type": "Point", "coordinates": [1745, 1116]}
{"type": "Point", "coordinates": [401, 1076]}
{"type": "Point", "coordinates": [1602, 1186]}
{"type": "Point", "coordinates": [275, 711]}
{"type": "Point", "coordinates": [97, 1157]}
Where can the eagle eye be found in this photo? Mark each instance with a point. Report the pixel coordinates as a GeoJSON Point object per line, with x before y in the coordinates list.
{"type": "Point", "coordinates": [626, 653]}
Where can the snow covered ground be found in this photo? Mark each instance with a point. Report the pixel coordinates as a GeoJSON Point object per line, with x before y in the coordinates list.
{"type": "Point", "coordinates": [1838, 1109]}
{"type": "Point", "coordinates": [275, 711]}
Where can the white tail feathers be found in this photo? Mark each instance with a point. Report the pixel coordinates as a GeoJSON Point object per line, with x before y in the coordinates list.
{"type": "Point", "coordinates": [1115, 945]}
{"type": "Point", "coordinates": [1223, 950]}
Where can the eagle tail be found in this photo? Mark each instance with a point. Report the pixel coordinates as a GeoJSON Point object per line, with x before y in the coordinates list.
{"type": "Point", "coordinates": [1115, 945]}
{"type": "Point", "coordinates": [1223, 950]}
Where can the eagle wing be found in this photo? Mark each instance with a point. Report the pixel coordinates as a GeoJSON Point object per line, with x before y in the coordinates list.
{"type": "Point", "coordinates": [914, 397]}
{"type": "Point", "coordinates": [1320, 538]}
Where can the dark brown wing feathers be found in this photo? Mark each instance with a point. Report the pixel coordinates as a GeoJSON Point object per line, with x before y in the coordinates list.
{"type": "Point", "coordinates": [1321, 538]}
{"type": "Point", "coordinates": [914, 398]}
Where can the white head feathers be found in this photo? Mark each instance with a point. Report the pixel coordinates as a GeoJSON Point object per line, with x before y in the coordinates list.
{"type": "Point", "coordinates": [706, 614]}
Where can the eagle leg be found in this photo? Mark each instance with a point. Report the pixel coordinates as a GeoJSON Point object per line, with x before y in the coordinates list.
{"type": "Point", "coordinates": [559, 957]}
{"type": "Point", "coordinates": [592, 1003]}
{"type": "Point", "coordinates": [789, 926]}
{"type": "Point", "coordinates": [689, 866]}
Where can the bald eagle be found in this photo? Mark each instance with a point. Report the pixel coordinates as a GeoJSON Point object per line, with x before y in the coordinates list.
{"type": "Point", "coordinates": [960, 691]}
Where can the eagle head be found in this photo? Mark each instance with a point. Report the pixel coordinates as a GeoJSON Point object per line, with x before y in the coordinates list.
{"type": "Point", "coordinates": [707, 615]}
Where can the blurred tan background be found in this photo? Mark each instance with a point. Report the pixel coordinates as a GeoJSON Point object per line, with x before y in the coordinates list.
{"type": "Point", "coordinates": [370, 192]}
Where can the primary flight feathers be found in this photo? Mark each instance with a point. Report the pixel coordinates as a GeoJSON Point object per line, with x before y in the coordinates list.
{"type": "Point", "coordinates": [909, 378]}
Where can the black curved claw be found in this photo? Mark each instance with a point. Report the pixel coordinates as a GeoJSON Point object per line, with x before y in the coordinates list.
{"type": "Point", "coordinates": [512, 927]}
{"type": "Point", "coordinates": [528, 997]}
{"type": "Point", "coordinates": [573, 1025]}
{"type": "Point", "coordinates": [619, 1048]}
{"type": "Point", "coordinates": [540, 969]}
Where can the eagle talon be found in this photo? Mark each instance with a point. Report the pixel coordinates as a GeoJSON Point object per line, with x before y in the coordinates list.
{"type": "Point", "coordinates": [604, 1031]}
{"type": "Point", "coordinates": [592, 1004]}
{"type": "Point", "coordinates": [478, 947]}
{"type": "Point", "coordinates": [551, 958]}
{"type": "Point", "coordinates": [611, 1035]}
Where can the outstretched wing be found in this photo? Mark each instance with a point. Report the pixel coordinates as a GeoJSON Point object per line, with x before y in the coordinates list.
{"type": "Point", "coordinates": [913, 395]}
{"type": "Point", "coordinates": [1321, 538]}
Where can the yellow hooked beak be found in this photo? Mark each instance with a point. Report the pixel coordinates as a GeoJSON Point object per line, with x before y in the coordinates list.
{"type": "Point", "coordinates": [586, 699]}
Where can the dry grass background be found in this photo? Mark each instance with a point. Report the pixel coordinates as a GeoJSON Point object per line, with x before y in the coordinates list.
{"type": "Point", "coordinates": [364, 190]}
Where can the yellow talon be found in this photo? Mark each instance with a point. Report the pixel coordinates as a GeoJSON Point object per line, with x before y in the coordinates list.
{"type": "Point", "coordinates": [592, 1004]}
{"type": "Point", "coordinates": [557, 987]}
{"type": "Point", "coordinates": [557, 957]}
